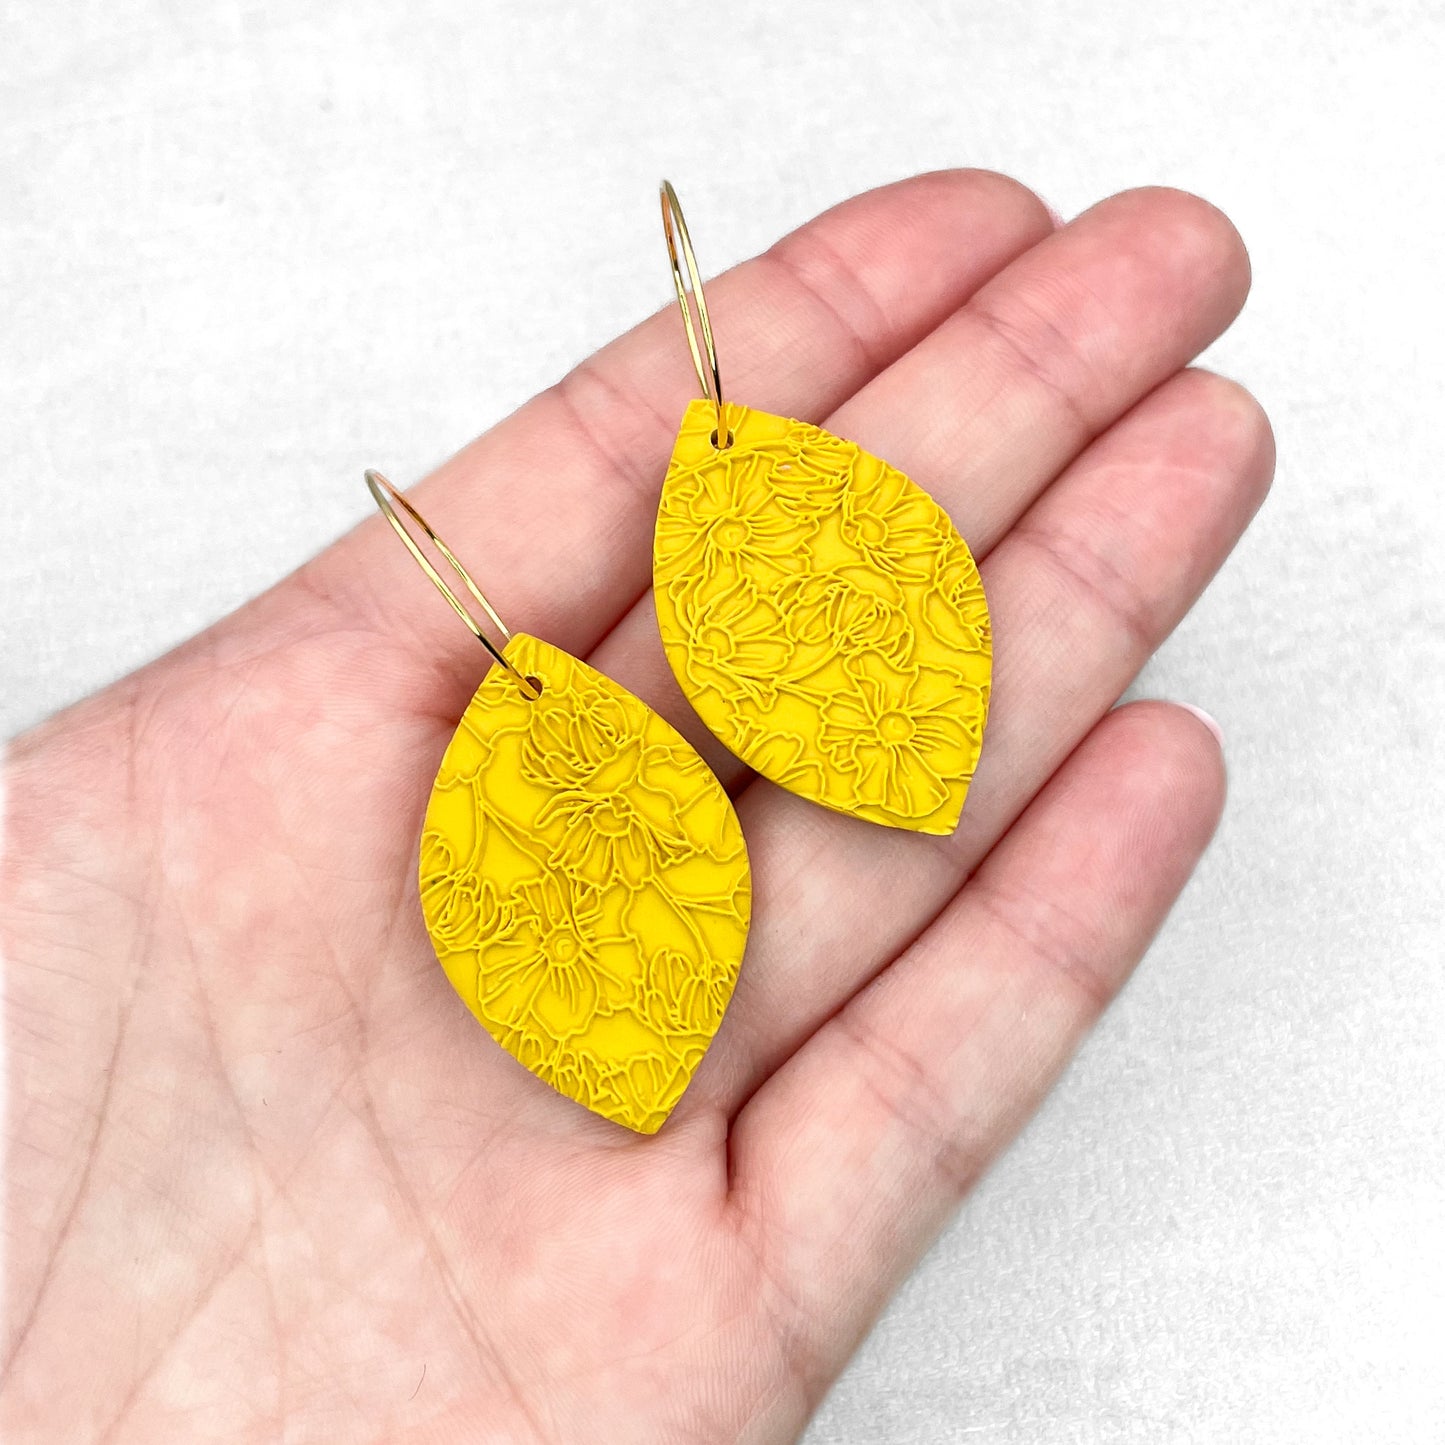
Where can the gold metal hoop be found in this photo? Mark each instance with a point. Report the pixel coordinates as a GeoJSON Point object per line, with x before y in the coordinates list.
{"type": "Point", "coordinates": [384, 495]}
{"type": "Point", "coordinates": [674, 228]}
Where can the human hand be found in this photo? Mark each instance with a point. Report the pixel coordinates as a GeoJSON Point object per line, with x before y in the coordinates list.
{"type": "Point", "coordinates": [268, 1180]}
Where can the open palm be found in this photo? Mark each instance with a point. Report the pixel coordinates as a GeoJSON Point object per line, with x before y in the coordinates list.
{"type": "Point", "coordinates": [268, 1180]}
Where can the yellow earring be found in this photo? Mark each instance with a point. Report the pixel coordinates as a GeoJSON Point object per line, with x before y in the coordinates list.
{"type": "Point", "coordinates": [820, 611]}
{"type": "Point", "coordinates": [583, 876]}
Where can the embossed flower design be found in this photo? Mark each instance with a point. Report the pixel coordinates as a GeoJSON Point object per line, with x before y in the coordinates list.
{"type": "Point", "coordinates": [955, 606]}
{"type": "Point", "coordinates": [737, 641]}
{"type": "Point", "coordinates": [893, 526]}
{"type": "Point", "coordinates": [809, 470]}
{"type": "Point", "coordinates": [582, 1074]}
{"type": "Point", "coordinates": [898, 734]}
{"type": "Point", "coordinates": [825, 610]}
{"type": "Point", "coordinates": [638, 1088]}
{"type": "Point", "coordinates": [646, 1086]}
{"type": "Point", "coordinates": [542, 967]}
{"type": "Point", "coordinates": [726, 515]}
{"type": "Point", "coordinates": [683, 995]}
{"type": "Point", "coordinates": [457, 901]}
{"type": "Point", "coordinates": [530, 1043]}
{"type": "Point", "coordinates": [614, 793]}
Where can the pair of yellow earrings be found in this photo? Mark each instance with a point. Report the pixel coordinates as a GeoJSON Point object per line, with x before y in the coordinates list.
{"type": "Point", "coordinates": [583, 874]}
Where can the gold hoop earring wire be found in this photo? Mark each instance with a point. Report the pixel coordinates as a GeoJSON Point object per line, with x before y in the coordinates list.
{"type": "Point", "coordinates": [674, 228]}
{"type": "Point", "coordinates": [384, 494]}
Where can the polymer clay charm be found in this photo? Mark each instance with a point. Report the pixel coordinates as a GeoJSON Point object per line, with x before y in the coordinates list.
{"type": "Point", "coordinates": [823, 617]}
{"type": "Point", "coordinates": [583, 876]}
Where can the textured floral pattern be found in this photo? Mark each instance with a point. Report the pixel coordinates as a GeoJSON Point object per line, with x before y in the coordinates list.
{"type": "Point", "coordinates": [585, 885]}
{"type": "Point", "coordinates": [824, 618]}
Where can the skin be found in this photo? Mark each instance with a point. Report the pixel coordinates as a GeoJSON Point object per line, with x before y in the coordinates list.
{"type": "Point", "coordinates": [267, 1180]}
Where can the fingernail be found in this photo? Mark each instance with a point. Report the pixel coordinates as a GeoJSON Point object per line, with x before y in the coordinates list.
{"type": "Point", "coordinates": [1210, 722]}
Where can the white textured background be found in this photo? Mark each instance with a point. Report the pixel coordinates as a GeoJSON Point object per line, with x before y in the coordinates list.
{"type": "Point", "coordinates": [248, 248]}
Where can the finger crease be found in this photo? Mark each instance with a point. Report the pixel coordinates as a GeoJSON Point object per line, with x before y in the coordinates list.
{"type": "Point", "coordinates": [638, 466]}
{"type": "Point", "coordinates": [1108, 586]}
{"type": "Point", "coordinates": [1045, 938]}
{"type": "Point", "coordinates": [1027, 356]}
{"type": "Point", "coordinates": [854, 334]}
{"type": "Point", "coordinates": [913, 1099]}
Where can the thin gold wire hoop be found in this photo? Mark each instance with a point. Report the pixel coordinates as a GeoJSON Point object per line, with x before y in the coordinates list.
{"type": "Point", "coordinates": [674, 228]}
{"type": "Point", "coordinates": [384, 494]}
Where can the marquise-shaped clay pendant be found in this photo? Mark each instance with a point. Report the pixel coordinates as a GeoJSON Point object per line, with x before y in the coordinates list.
{"type": "Point", "coordinates": [823, 616]}
{"type": "Point", "coordinates": [585, 884]}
